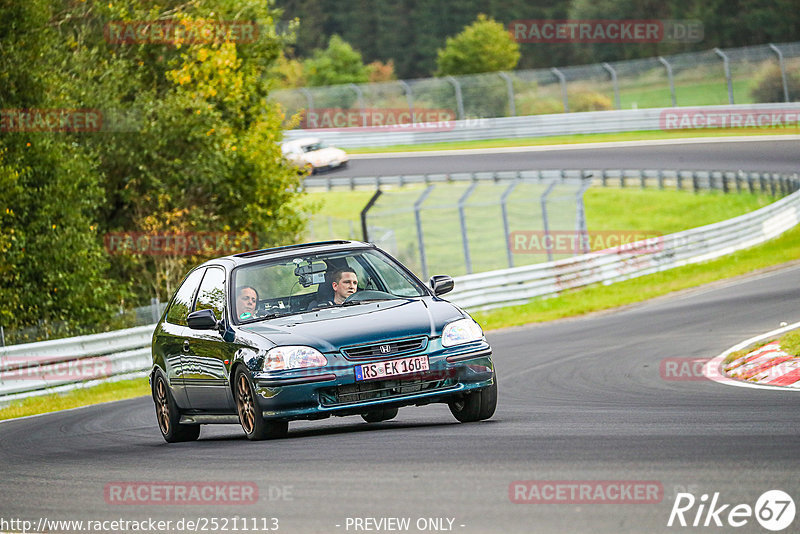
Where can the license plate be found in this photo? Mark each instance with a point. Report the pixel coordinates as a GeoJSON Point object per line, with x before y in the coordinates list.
{"type": "Point", "coordinates": [402, 366]}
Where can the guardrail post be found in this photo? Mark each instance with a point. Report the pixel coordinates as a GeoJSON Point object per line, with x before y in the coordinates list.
{"type": "Point", "coordinates": [613, 74]}
{"type": "Point", "coordinates": [671, 80]}
{"type": "Point", "coordinates": [642, 179]}
{"type": "Point", "coordinates": [660, 179]}
{"type": "Point", "coordinates": [604, 177]}
{"type": "Point", "coordinates": [772, 189]}
{"type": "Point", "coordinates": [420, 240]}
{"type": "Point", "coordinates": [506, 233]}
{"type": "Point", "coordinates": [582, 246]}
{"type": "Point", "coordinates": [679, 180]}
{"type": "Point", "coordinates": [463, 220]}
{"type": "Point", "coordinates": [512, 105]}
{"type": "Point", "coordinates": [360, 96]}
{"type": "Point", "coordinates": [563, 81]}
{"type": "Point", "coordinates": [726, 64]}
{"type": "Point", "coordinates": [543, 203]}
{"type": "Point", "coordinates": [725, 182]}
{"type": "Point", "coordinates": [695, 182]}
{"type": "Point", "coordinates": [459, 98]}
{"type": "Point", "coordinates": [782, 64]}
{"type": "Point", "coordinates": [409, 98]}
{"type": "Point", "coordinates": [309, 98]}
{"type": "Point", "coordinates": [364, 231]}
{"type": "Point", "coordinates": [750, 185]}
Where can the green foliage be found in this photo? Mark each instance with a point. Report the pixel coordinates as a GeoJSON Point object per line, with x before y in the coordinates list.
{"type": "Point", "coordinates": [189, 143]}
{"type": "Point", "coordinates": [337, 64]}
{"type": "Point", "coordinates": [768, 85]}
{"type": "Point", "coordinates": [484, 46]}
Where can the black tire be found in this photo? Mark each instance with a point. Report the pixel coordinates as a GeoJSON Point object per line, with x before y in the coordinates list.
{"type": "Point", "coordinates": [475, 406]}
{"type": "Point", "coordinates": [253, 423]}
{"type": "Point", "coordinates": [376, 416]}
{"type": "Point", "coordinates": [168, 416]}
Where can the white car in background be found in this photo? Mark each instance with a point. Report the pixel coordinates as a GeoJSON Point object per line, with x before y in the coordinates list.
{"type": "Point", "coordinates": [314, 154]}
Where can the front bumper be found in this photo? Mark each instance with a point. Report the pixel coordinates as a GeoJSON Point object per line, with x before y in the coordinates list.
{"type": "Point", "coordinates": [333, 389]}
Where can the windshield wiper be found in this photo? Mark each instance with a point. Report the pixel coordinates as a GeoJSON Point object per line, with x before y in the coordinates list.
{"type": "Point", "coordinates": [364, 301]}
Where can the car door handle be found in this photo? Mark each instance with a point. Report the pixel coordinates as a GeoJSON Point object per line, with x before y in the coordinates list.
{"type": "Point", "coordinates": [185, 346]}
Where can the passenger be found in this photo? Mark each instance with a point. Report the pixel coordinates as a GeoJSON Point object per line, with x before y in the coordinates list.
{"type": "Point", "coordinates": [246, 302]}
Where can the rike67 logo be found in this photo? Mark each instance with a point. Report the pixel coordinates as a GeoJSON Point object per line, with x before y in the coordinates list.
{"type": "Point", "coordinates": [774, 510]}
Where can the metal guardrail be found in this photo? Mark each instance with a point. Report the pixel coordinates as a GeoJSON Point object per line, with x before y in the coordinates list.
{"type": "Point", "coordinates": [62, 364]}
{"type": "Point", "coordinates": [588, 122]}
{"type": "Point", "coordinates": [696, 180]}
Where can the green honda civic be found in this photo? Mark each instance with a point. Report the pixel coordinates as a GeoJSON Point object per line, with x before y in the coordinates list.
{"type": "Point", "coordinates": [309, 331]}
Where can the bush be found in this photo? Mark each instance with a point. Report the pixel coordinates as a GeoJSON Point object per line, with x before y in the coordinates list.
{"type": "Point", "coordinates": [769, 85]}
{"type": "Point", "coordinates": [588, 101]}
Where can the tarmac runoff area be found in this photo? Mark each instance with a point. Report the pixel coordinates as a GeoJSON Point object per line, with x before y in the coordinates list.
{"type": "Point", "coordinates": [767, 367]}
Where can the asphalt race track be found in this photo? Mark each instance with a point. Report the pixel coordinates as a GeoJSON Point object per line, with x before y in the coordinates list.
{"type": "Point", "coordinates": [766, 155]}
{"type": "Point", "coordinates": [580, 400]}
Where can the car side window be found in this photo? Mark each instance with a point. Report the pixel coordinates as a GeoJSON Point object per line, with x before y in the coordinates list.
{"type": "Point", "coordinates": [211, 295]}
{"type": "Point", "coordinates": [182, 302]}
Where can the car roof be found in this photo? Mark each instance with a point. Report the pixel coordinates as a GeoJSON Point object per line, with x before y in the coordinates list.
{"type": "Point", "coordinates": [303, 141]}
{"type": "Point", "coordinates": [254, 256]}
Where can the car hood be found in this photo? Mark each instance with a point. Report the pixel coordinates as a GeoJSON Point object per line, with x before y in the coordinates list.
{"type": "Point", "coordinates": [331, 328]}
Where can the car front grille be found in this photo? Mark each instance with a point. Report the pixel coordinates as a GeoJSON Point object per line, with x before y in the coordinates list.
{"type": "Point", "coordinates": [387, 348]}
{"type": "Point", "coordinates": [383, 389]}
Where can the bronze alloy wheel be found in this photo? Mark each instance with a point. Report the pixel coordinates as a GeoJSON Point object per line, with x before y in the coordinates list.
{"type": "Point", "coordinates": [162, 406]}
{"type": "Point", "coordinates": [168, 414]}
{"type": "Point", "coordinates": [244, 403]}
{"type": "Point", "coordinates": [253, 423]}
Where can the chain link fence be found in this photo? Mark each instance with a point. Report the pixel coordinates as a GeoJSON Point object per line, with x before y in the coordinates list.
{"type": "Point", "coordinates": [465, 228]}
{"type": "Point", "coordinates": [465, 223]}
{"type": "Point", "coordinates": [755, 74]}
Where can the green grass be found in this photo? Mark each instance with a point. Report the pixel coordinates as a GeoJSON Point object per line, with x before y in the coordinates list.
{"type": "Point", "coordinates": [686, 94]}
{"type": "Point", "coordinates": [790, 342]}
{"type": "Point", "coordinates": [110, 391]}
{"type": "Point", "coordinates": [580, 138]}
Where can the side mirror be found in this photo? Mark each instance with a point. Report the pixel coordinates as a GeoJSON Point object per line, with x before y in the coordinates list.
{"type": "Point", "coordinates": [441, 284]}
{"type": "Point", "coordinates": [202, 320]}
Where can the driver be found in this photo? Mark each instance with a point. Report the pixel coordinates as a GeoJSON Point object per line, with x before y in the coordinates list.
{"type": "Point", "coordinates": [246, 301]}
{"type": "Point", "coordinates": [345, 283]}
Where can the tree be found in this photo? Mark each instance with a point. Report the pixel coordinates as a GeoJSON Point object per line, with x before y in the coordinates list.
{"type": "Point", "coordinates": [52, 267]}
{"type": "Point", "coordinates": [484, 46]}
{"type": "Point", "coordinates": [337, 64]}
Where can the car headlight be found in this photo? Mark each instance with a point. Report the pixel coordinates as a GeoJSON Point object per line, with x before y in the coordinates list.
{"type": "Point", "coordinates": [461, 331]}
{"type": "Point", "coordinates": [293, 357]}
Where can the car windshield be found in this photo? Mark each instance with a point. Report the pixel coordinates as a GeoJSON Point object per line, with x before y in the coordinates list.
{"type": "Point", "coordinates": [315, 146]}
{"type": "Point", "coordinates": [304, 283]}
